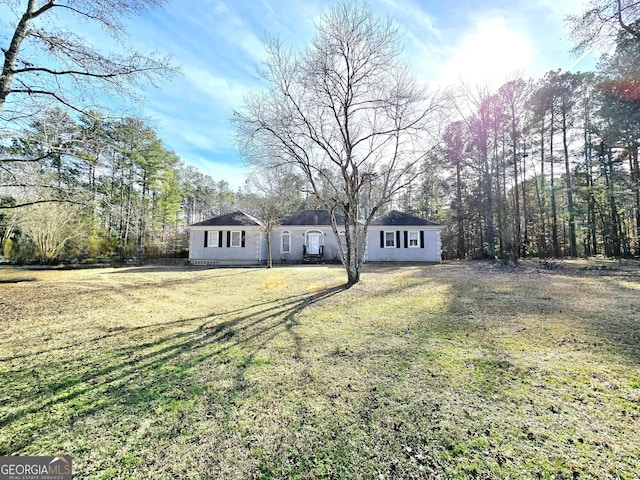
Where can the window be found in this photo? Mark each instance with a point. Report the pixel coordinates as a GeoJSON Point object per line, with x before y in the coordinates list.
{"type": "Point", "coordinates": [211, 239]}
{"type": "Point", "coordinates": [389, 239]}
{"type": "Point", "coordinates": [343, 240]}
{"type": "Point", "coordinates": [236, 239]}
{"type": "Point", "coordinates": [286, 242]}
{"type": "Point", "coordinates": [414, 239]}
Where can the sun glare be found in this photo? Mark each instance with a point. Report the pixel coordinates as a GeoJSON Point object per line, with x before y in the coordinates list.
{"type": "Point", "coordinates": [489, 55]}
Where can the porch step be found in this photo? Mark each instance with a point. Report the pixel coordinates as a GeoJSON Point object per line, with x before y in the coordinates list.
{"type": "Point", "coordinates": [312, 258]}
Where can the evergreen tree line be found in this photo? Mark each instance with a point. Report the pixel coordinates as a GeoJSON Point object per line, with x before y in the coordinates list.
{"type": "Point", "coordinates": [536, 168]}
{"type": "Point", "coordinates": [544, 168]}
{"type": "Point", "coordinates": [98, 189]}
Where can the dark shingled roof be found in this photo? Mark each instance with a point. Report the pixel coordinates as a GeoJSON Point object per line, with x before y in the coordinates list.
{"type": "Point", "coordinates": [396, 218]}
{"type": "Point", "coordinates": [311, 217]}
{"type": "Point", "coordinates": [233, 219]}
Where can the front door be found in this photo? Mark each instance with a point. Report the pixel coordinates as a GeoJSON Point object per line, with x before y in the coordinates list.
{"type": "Point", "coordinates": [313, 243]}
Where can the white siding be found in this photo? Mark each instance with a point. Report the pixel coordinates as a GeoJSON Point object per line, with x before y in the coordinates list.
{"type": "Point", "coordinates": [430, 252]}
{"type": "Point", "coordinates": [251, 253]}
{"type": "Point", "coordinates": [297, 239]}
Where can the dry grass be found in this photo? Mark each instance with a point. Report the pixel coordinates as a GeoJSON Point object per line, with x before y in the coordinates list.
{"type": "Point", "coordinates": [448, 371]}
{"type": "Point", "coordinates": [273, 282]}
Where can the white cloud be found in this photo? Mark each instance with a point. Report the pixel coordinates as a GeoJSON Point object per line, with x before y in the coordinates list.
{"type": "Point", "coordinates": [221, 90]}
{"type": "Point", "coordinates": [197, 140]}
{"type": "Point", "coordinates": [234, 174]}
{"type": "Point", "coordinates": [218, 42]}
{"type": "Point", "coordinates": [413, 17]}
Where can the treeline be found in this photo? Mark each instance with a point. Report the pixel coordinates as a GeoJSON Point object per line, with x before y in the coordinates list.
{"type": "Point", "coordinates": [536, 168]}
{"type": "Point", "coordinates": [541, 168]}
{"type": "Point", "coordinates": [98, 189]}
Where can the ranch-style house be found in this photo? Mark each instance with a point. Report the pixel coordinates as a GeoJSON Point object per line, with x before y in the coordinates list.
{"type": "Point", "coordinates": [306, 237]}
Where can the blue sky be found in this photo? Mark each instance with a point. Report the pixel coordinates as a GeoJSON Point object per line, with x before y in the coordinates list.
{"type": "Point", "coordinates": [218, 45]}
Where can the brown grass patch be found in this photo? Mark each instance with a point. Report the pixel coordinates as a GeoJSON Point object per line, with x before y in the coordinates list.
{"type": "Point", "coordinates": [316, 287]}
{"type": "Point", "coordinates": [407, 275]}
{"type": "Point", "coordinates": [273, 282]}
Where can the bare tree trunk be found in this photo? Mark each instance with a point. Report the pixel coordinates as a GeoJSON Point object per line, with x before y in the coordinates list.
{"type": "Point", "coordinates": [614, 222]}
{"type": "Point", "coordinates": [525, 213]}
{"type": "Point", "coordinates": [487, 183]}
{"type": "Point", "coordinates": [11, 54]}
{"type": "Point", "coordinates": [459, 212]}
{"type": "Point", "coordinates": [501, 191]}
{"type": "Point", "coordinates": [554, 211]}
{"type": "Point", "coordinates": [542, 242]}
{"type": "Point", "coordinates": [635, 175]}
{"type": "Point", "coordinates": [572, 222]}
{"type": "Point", "coordinates": [592, 240]}
{"type": "Point", "coordinates": [515, 251]}
{"type": "Point", "coordinates": [269, 250]}
{"type": "Point", "coordinates": [353, 262]}
{"type": "Point", "coordinates": [142, 218]}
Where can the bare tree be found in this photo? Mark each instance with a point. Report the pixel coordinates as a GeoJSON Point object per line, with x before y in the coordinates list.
{"type": "Point", "coordinates": [454, 148]}
{"type": "Point", "coordinates": [346, 114]}
{"type": "Point", "coordinates": [274, 194]}
{"type": "Point", "coordinates": [483, 124]}
{"type": "Point", "coordinates": [45, 64]}
{"type": "Point", "coordinates": [513, 96]}
{"type": "Point", "coordinates": [51, 226]}
{"type": "Point", "coordinates": [601, 22]}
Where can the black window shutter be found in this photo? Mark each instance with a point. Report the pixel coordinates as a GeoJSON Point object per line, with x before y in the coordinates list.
{"type": "Point", "coordinates": [243, 235]}
{"type": "Point", "coordinates": [406, 239]}
{"type": "Point", "coordinates": [421, 238]}
{"type": "Point", "coordinates": [206, 237]}
{"type": "Point", "coordinates": [381, 239]}
{"type": "Point", "coordinates": [228, 238]}
{"type": "Point", "coordinates": [220, 238]}
{"type": "Point", "coordinates": [397, 238]}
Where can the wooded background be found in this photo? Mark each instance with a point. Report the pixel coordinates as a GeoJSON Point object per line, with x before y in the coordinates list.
{"type": "Point", "coordinates": [543, 167]}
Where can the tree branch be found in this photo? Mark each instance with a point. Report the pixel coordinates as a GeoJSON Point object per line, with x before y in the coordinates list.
{"type": "Point", "coordinates": [36, 202]}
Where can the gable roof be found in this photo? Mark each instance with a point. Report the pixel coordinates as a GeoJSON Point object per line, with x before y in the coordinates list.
{"type": "Point", "coordinates": [396, 218]}
{"type": "Point", "coordinates": [311, 217]}
{"type": "Point", "coordinates": [233, 219]}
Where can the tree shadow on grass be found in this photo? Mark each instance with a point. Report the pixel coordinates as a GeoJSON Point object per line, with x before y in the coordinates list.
{"type": "Point", "coordinates": [542, 352]}
{"type": "Point", "coordinates": [139, 370]}
{"type": "Point", "coordinates": [18, 280]}
{"type": "Point", "coordinates": [589, 311]}
{"type": "Point", "coordinates": [489, 386]}
{"type": "Point", "coordinates": [115, 332]}
{"type": "Point", "coordinates": [431, 391]}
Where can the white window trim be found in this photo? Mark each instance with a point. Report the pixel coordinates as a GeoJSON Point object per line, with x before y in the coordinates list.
{"type": "Point", "coordinates": [213, 236]}
{"type": "Point", "coordinates": [393, 235]}
{"type": "Point", "coordinates": [238, 234]}
{"type": "Point", "coordinates": [288, 235]}
{"type": "Point", "coordinates": [417, 238]}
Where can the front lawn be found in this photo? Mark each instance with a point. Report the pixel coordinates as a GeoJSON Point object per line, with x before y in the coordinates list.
{"type": "Point", "coordinates": [440, 371]}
